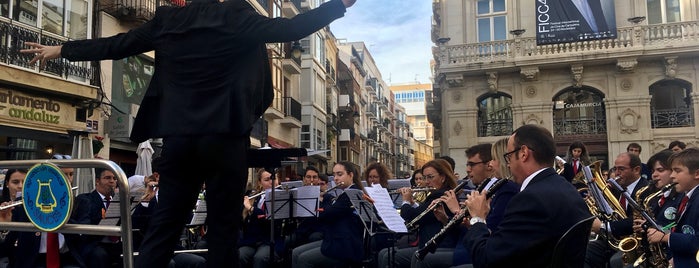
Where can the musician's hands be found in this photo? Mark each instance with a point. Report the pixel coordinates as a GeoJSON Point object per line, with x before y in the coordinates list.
{"type": "Point", "coordinates": [638, 225]}
{"type": "Point", "coordinates": [440, 214]}
{"type": "Point", "coordinates": [596, 226]}
{"type": "Point", "coordinates": [247, 203]}
{"type": "Point", "coordinates": [6, 214]}
{"type": "Point", "coordinates": [348, 3]}
{"type": "Point", "coordinates": [655, 236]}
{"type": "Point", "coordinates": [407, 194]}
{"type": "Point", "coordinates": [478, 205]}
{"type": "Point", "coordinates": [452, 202]}
{"type": "Point", "coordinates": [42, 53]}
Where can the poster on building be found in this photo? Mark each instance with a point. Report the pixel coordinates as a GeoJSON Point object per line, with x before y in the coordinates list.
{"type": "Point", "coordinates": [131, 78]}
{"type": "Point", "coordinates": [563, 21]}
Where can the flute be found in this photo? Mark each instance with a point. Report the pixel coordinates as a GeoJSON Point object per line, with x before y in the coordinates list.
{"type": "Point", "coordinates": [262, 193]}
{"type": "Point", "coordinates": [421, 189]}
{"type": "Point", "coordinates": [333, 188]}
{"type": "Point", "coordinates": [20, 202]}
{"type": "Point", "coordinates": [413, 224]}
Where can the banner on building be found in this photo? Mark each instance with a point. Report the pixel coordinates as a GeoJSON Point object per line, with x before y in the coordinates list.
{"type": "Point", "coordinates": [563, 21]}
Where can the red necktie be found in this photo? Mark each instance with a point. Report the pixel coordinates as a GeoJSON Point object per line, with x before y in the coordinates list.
{"type": "Point", "coordinates": [661, 202]}
{"type": "Point", "coordinates": [52, 259]}
{"type": "Point", "coordinates": [622, 201]}
{"type": "Point", "coordinates": [108, 200]}
{"type": "Point", "coordinates": [575, 166]}
{"type": "Point", "coordinates": [682, 206]}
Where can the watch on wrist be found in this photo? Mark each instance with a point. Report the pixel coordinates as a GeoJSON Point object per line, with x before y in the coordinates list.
{"type": "Point", "coordinates": [477, 219]}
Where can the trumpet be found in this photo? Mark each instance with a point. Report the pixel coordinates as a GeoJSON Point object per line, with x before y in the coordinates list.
{"type": "Point", "coordinates": [413, 224]}
{"type": "Point", "coordinates": [253, 196]}
{"type": "Point", "coordinates": [415, 190]}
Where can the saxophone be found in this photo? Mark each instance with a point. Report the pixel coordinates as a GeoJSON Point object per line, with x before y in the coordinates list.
{"type": "Point", "coordinates": [652, 254]}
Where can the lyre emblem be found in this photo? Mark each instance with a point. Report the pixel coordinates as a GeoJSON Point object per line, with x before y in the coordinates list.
{"type": "Point", "coordinates": [45, 200]}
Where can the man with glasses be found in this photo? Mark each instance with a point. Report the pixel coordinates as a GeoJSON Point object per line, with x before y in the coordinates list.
{"type": "Point", "coordinates": [535, 218]}
{"type": "Point", "coordinates": [95, 251]}
{"type": "Point", "coordinates": [311, 176]}
{"type": "Point", "coordinates": [627, 167]}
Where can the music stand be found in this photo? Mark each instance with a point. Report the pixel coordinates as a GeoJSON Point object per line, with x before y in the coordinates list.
{"type": "Point", "coordinates": [270, 159]}
{"type": "Point", "coordinates": [396, 184]}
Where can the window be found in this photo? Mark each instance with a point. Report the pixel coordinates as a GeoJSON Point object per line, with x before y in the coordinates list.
{"type": "Point", "coordinates": [671, 104]}
{"type": "Point", "coordinates": [76, 21]}
{"type": "Point", "coordinates": [579, 111]}
{"type": "Point", "coordinates": [25, 12]}
{"type": "Point", "coordinates": [492, 22]}
{"type": "Point", "coordinates": [663, 11]}
{"type": "Point", "coordinates": [494, 115]}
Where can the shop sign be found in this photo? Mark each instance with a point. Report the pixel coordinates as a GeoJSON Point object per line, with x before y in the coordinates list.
{"type": "Point", "coordinates": [30, 108]}
{"type": "Point", "coordinates": [563, 105]}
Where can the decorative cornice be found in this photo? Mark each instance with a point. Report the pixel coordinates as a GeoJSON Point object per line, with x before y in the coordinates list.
{"type": "Point", "coordinates": [492, 81]}
{"type": "Point", "coordinates": [455, 80]}
{"type": "Point", "coordinates": [626, 65]}
{"type": "Point", "coordinates": [529, 73]}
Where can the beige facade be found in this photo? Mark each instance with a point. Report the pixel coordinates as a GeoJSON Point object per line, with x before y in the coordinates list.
{"type": "Point", "coordinates": [638, 87]}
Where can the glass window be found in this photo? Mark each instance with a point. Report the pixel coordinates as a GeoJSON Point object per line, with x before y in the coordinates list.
{"type": "Point", "coordinates": [76, 24]}
{"type": "Point", "coordinates": [491, 22]}
{"type": "Point", "coordinates": [663, 11]}
{"type": "Point", "coordinates": [483, 7]}
{"type": "Point", "coordinates": [498, 5]}
{"type": "Point", "coordinates": [671, 104]}
{"type": "Point", "coordinates": [484, 30]}
{"type": "Point", "coordinates": [25, 11]}
{"type": "Point", "coordinates": [579, 111]}
{"type": "Point", "coordinates": [494, 115]}
{"type": "Point", "coordinates": [499, 28]}
{"type": "Point", "coordinates": [5, 8]}
{"type": "Point", "coordinates": [52, 16]}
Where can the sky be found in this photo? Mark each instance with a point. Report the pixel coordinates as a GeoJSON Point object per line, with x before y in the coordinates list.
{"type": "Point", "coordinates": [397, 34]}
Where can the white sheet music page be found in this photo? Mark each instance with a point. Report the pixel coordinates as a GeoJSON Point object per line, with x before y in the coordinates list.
{"type": "Point", "coordinates": [281, 204]}
{"type": "Point", "coordinates": [384, 206]}
{"type": "Point", "coordinates": [306, 201]}
{"type": "Point", "coordinates": [199, 215]}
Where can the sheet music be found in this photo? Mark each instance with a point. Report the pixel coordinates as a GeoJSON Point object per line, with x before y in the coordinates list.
{"type": "Point", "coordinates": [199, 215]}
{"type": "Point", "coordinates": [384, 207]}
{"type": "Point", "coordinates": [306, 201]}
{"type": "Point", "coordinates": [112, 215]}
{"type": "Point", "coordinates": [281, 204]}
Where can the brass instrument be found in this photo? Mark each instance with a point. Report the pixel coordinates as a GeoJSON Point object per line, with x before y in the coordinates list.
{"type": "Point", "coordinates": [602, 203]}
{"type": "Point", "coordinates": [653, 253]}
{"type": "Point", "coordinates": [431, 245]}
{"type": "Point", "coordinates": [413, 224]}
{"type": "Point", "coordinates": [559, 165]}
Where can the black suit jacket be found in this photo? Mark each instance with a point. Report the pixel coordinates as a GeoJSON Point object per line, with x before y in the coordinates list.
{"type": "Point", "coordinates": [212, 74]}
{"type": "Point", "coordinates": [534, 220]}
{"type": "Point", "coordinates": [343, 230]}
{"type": "Point", "coordinates": [624, 227]}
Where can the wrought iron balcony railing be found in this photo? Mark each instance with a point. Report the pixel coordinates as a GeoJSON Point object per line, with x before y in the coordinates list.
{"type": "Point", "coordinates": [580, 126]}
{"type": "Point", "coordinates": [136, 11]}
{"type": "Point", "coordinates": [292, 108]}
{"type": "Point", "coordinates": [494, 127]}
{"type": "Point", "coordinates": [669, 118]}
{"type": "Point", "coordinates": [12, 38]}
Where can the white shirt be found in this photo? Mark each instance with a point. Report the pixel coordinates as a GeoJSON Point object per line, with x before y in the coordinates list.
{"type": "Point", "coordinates": [528, 179]}
{"type": "Point", "coordinates": [42, 245]}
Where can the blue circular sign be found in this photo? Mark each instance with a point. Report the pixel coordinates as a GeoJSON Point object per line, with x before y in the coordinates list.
{"type": "Point", "coordinates": [47, 197]}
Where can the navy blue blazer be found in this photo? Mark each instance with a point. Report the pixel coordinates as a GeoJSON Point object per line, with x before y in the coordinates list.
{"type": "Point", "coordinates": [624, 227]}
{"type": "Point", "coordinates": [212, 73]}
{"type": "Point", "coordinates": [89, 211]}
{"type": "Point", "coordinates": [343, 230]}
{"type": "Point", "coordinates": [533, 222]}
{"type": "Point", "coordinates": [684, 242]}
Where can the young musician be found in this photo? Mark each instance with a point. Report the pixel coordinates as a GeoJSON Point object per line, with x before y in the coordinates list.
{"type": "Point", "coordinates": [438, 175]}
{"type": "Point", "coordinates": [253, 245]}
{"type": "Point", "coordinates": [343, 229]}
{"type": "Point", "coordinates": [576, 158]}
{"type": "Point", "coordinates": [683, 241]}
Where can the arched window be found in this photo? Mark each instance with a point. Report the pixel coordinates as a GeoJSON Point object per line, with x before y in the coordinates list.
{"type": "Point", "coordinates": [494, 115]}
{"type": "Point", "coordinates": [671, 104]}
{"type": "Point", "coordinates": [579, 111]}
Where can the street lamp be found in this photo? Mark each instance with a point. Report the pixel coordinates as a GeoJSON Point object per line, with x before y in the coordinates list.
{"type": "Point", "coordinates": [296, 50]}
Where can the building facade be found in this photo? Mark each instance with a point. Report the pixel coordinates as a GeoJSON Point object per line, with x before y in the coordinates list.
{"type": "Point", "coordinates": [637, 86]}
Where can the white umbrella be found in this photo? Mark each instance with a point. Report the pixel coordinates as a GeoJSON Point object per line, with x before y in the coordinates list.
{"type": "Point", "coordinates": [145, 156]}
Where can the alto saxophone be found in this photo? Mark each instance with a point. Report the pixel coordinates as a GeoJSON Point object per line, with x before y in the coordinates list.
{"type": "Point", "coordinates": [652, 253]}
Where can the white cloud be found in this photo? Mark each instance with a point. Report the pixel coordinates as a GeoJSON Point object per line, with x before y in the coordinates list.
{"type": "Point", "coordinates": [397, 34]}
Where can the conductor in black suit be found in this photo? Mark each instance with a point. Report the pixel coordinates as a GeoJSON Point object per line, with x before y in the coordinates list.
{"type": "Point", "coordinates": [212, 81]}
{"type": "Point", "coordinates": [535, 218]}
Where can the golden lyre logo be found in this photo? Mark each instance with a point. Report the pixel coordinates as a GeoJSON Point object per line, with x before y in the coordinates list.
{"type": "Point", "coordinates": [45, 200]}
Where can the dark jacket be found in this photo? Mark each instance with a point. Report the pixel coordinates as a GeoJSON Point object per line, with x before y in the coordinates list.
{"type": "Point", "coordinates": [212, 73]}
{"type": "Point", "coordinates": [343, 230]}
{"type": "Point", "coordinates": [684, 242]}
{"type": "Point", "coordinates": [534, 220]}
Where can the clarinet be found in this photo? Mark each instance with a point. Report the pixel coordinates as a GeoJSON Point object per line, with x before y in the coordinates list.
{"type": "Point", "coordinates": [413, 224]}
{"type": "Point", "coordinates": [431, 244]}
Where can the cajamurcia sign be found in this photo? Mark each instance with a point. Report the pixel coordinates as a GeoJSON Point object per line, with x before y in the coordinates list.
{"type": "Point", "coordinates": [30, 108]}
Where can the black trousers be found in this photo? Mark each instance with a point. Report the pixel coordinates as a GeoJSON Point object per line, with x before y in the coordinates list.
{"type": "Point", "coordinates": [220, 161]}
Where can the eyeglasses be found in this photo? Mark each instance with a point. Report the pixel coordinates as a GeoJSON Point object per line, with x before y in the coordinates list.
{"type": "Point", "coordinates": [108, 178]}
{"type": "Point", "coordinates": [508, 154]}
{"type": "Point", "coordinates": [471, 164]}
{"type": "Point", "coordinates": [428, 177]}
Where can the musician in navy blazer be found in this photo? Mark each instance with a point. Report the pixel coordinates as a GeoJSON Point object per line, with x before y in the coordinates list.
{"type": "Point", "coordinates": [536, 217]}
{"type": "Point", "coordinates": [683, 240]}
{"type": "Point", "coordinates": [212, 81]}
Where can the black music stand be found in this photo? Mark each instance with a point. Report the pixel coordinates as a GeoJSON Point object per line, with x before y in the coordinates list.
{"type": "Point", "coordinates": [271, 159]}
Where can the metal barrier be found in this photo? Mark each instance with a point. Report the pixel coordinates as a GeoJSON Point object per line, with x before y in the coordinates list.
{"type": "Point", "coordinates": [124, 230]}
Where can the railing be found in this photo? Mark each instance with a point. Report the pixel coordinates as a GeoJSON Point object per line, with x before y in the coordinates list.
{"type": "Point", "coordinates": [494, 127]}
{"type": "Point", "coordinates": [638, 38]}
{"type": "Point", "coordinates": [12, 38]}
{"type": "Point", "coordinates": [580, 126]}
{"type": "Point", "coordinates": [124, 230]}
{"type": "Point", "coordinates": [137, 10]}
{"type": "Point", "coordinates": [292, 108]}
{"type": "Point", "coordinates": [668, 118]}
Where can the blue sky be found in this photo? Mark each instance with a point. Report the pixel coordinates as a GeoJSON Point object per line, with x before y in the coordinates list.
{"type": "Point", "coordinates": [397, 34]}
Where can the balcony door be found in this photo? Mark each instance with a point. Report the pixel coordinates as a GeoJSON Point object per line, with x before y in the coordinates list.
{"type": "Point", "coordinates": [579, 115]}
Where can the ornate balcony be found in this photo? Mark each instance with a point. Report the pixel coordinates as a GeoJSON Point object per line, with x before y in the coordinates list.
{"type": "Point", "coordinates": [292, 112]}
{"type": "Point", "coordinates": [580, 127]}
{"type": "Point", "coordinates": [637, 41]}
{"type": "Point", "coordinates": [669, 118]}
